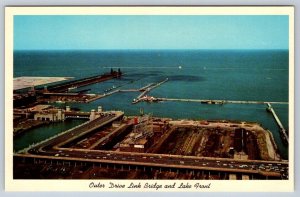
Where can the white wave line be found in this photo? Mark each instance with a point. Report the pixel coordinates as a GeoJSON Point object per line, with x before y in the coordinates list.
{"type": "Point", "coordinates": [143, 67]}
{"type": "Point", "coordinates": [240, 68]}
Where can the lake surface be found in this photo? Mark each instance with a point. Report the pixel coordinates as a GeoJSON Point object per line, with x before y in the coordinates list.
{"type": "Point", "coordinates": [256, 75]}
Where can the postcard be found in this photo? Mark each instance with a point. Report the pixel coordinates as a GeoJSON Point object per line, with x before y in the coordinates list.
{"type": "Point", "coordinates": [175, 99]}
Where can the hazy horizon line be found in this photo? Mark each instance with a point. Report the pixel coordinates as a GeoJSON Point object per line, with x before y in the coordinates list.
{"type": "Point", "coordinates": [138, 49]}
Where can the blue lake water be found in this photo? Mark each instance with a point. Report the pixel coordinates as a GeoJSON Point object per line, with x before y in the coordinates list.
{"type": "Point", "coordinates": [258, 75]}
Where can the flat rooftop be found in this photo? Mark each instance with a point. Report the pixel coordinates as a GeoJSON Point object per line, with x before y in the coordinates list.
{"type": "Point", "coordinates": [40, 107]}
{"type": "Point", "coordinates": [27, 82]}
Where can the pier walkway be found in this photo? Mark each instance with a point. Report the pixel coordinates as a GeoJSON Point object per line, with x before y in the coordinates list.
{"type": "Point", "coordinates": [148, 89]}
{"type": "Point", "coordinates": [151, 88]}
{"type": "Point", "coordinates": [282, 129]}
{"type": "Point", "coordinates": [110, 93]}
{"type": "Point", "coordinates": [205, 101]}
{"type": "Point", "coordinates": [138, 90]}
{"type": "Point", "coordinates": [63, 87]}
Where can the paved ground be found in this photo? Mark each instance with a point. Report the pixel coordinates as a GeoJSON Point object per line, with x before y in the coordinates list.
{"type": "Point", "coordinates": [27, 82]}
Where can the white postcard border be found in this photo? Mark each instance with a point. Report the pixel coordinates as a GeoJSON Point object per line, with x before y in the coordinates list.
{"type": "Point", "coordinates": [83, 185]}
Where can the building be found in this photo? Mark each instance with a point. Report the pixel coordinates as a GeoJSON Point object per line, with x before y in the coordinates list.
{"type": "Point", "coordinates": [130, 145]}
{"type": "Point", "coordinates": [50, 115]}
{"type": "Point", "coordinates": [140, 139]}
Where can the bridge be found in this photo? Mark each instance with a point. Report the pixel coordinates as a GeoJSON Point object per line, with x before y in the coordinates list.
{"type": "Point", "coordinates": [159, 161]}
{"type": "Point", "coordinates": [86, 128]}
{"type": "Point", "coordinates": [77, 115]}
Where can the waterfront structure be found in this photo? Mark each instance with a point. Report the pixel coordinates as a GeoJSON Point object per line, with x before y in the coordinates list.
{"type": "Point", "coordinates": [50, 115]}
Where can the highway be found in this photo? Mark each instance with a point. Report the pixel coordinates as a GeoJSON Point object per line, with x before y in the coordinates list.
{"type": "Point", "coordinates": [169, 161]}
{"type": "Point", "coordinates": [76, 132]}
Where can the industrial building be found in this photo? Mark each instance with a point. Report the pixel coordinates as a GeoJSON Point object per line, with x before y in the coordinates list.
{"type": "Point", "coordinates": [141, 138]}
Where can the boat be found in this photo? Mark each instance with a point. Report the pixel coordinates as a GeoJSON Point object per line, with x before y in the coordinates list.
{"type": "Point", "coordinates": [149, 99]}
{"type": "Point", "coordinates": [72, 88]}
{"type": "Point", "coordinates": [212, 102]}
{"type": "Point", "coordinates": [109, 89]}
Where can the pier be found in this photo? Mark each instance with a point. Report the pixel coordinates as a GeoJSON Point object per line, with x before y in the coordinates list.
{"type": "Point", "coordinates": [148, 89]}
{"type": "Point", "coordinates": [110, 93]}
{"type": "Point", "coordinates": [64, 87]}
{"type": "Point", "coordinates": [206, 101]}
{"type": "Point", "coordinates": [282, 129]}
{"type": "Point", "coordinates": [138, 90]}
{"type": "Point", "coordinates": [145, 87]}
{"type": "Point", "coordinates": [62, 97]}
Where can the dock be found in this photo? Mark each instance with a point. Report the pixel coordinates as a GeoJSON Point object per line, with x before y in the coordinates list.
{"type": "Point", "coordinates": [148, 89]}
{"type": "Point", "coordinates": [145, 87]}
{"type": "Point", "coordinates": [63, 97]}
{"type": "Point", "coordinates": [64, 87]}
{"type": "Point", "coordinates": [206, 101]}
{"type": "Point", "coordinates": [282, 129]}
{"type": "Point", "coordinates": [110, 93]}
{"type": "Point", "coordinates": [138, 90]}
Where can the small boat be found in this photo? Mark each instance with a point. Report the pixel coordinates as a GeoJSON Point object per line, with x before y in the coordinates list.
{"type": "Point", "coordinates": [72, 88]}
{"type": "Point", "coordinates": [109, 89]}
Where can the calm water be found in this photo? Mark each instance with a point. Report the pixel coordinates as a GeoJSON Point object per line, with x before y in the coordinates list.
{"type": "Point", "coordinates": [260, 75]}
{"type": "Point", "coordinates": [35, 135]}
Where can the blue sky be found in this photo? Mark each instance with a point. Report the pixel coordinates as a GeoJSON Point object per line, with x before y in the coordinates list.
{"type": "Point", "coordinates": [150, 32]}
